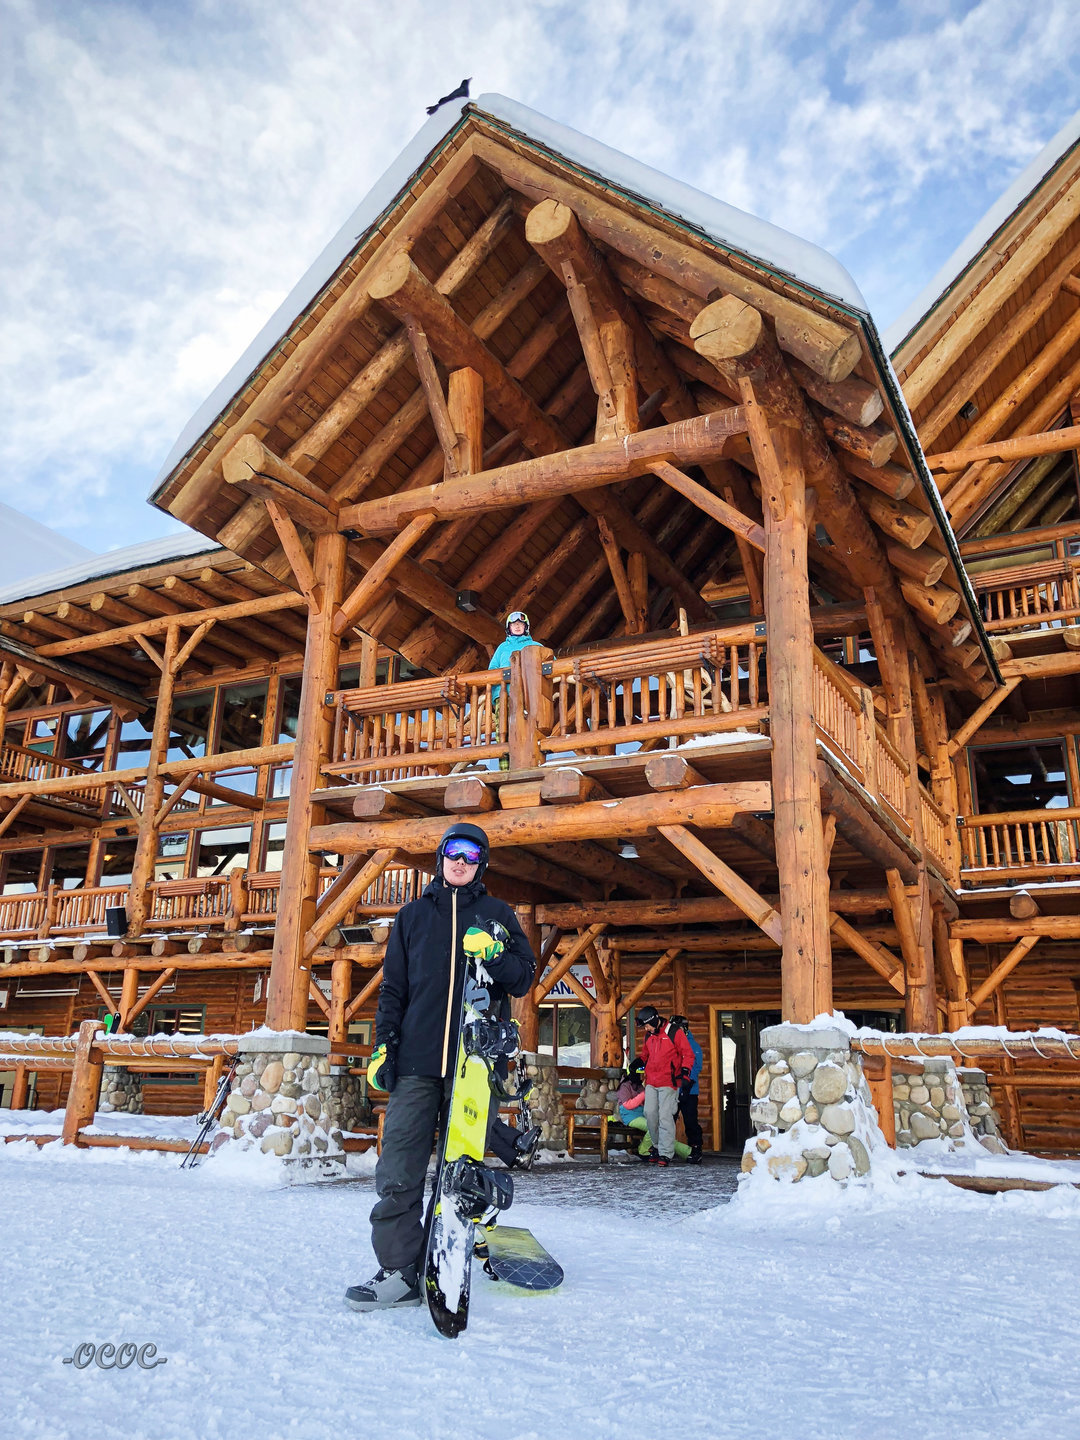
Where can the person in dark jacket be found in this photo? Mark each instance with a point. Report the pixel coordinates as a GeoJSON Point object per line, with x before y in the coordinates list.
{"type": "Point", "coordinates": [688, 1093]}
{"type": "Point", "coordinates": [416, 1031]}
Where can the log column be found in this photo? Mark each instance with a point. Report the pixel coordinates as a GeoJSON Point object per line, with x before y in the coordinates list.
{"type": "Point", "coordinates": [287, 998]}
{"type": "Point", "coordinates": [525, 1010]}
{"type": "Point", "coordinates": [806, 962]}
{"type": "Point", "coordinates": [142, 870]}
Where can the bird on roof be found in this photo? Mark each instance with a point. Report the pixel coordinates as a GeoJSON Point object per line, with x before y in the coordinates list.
{"type": "Point", "coordinates": [461, 93]}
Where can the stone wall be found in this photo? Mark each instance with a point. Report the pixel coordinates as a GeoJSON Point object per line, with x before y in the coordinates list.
{"type": "Point", "coordinates": [812, 1107]}
{"type": "Point", "coordinates": [984, 1117]}
{"type": "Point", "coordinates": [281, 1099]}
{"type": "Point", "coordinates": [599, 1094]}
{"type": "Point", "coordinates": [348, 1107]}
{"type": "Point", "coordinates": [942, 1103]}
{"type": "Point", "coordinates": [545, 1101]}
{"type": "Point", "coordinates": [121, 1091]}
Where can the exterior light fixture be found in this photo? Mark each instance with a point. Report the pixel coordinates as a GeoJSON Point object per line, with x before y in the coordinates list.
{"type": "Point", "coordinates": [355, 934]}
{"type": "Point", "coordinates": [468, 600]}
{"type": "Point", "coordinates": [628, 850]}
{"type": "Point", "coordinates": [968, 410]}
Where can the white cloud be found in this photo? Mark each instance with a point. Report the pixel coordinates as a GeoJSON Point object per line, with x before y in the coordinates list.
{"type": "Point", "coordinates": [173, 169]}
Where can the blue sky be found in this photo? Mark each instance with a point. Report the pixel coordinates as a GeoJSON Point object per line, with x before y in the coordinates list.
{"type": "Point", "coordinates": [171, 167]}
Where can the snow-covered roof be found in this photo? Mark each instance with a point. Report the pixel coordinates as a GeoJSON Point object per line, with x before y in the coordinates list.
{"type": "Point", "coordinates": [113, 562]}
{"type": "Point", "coordinates": [807, 264]}
{"type": "Point", "coordinates": [973, 244]}
{"type": "Point", "coordinates": [27, 544]}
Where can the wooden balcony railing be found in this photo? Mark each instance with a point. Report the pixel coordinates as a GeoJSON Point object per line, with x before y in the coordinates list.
{"type": "Point", "coordinates": [240, 898]}
{"type": "Point", "coordinates": [18, 763]}
{"type": "Point", "coordinates": [1042, 595]}
{"type": "Point", "coordinates": [629, 695]}
{"type": "Point", "coordinates": [419, 727]}
{"type": "Point", "coordinates": [846, 724]}
{"type": "Point", "coordinates": [688, 685]}
{"type": "Point", "coordinates": [1022, 844]}
{"type": "Point", "coordinates": [937, 829]}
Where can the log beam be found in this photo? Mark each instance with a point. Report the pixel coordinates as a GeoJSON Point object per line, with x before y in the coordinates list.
{"type": "Point", "coordinates": [709, 806]}
{"type": "Point", "coordinates": [726, 880]}
{"type": "Point", "coordinates": [554, 473]}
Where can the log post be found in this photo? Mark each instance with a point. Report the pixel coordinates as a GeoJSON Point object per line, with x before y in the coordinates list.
{"type": "Point", "coordinates": [530, 706]}
{"type": "Point", "coordinates": [129, 994]}
{"type": "Point", "coordinates": [20, 1087]}
{"type": "Point", "coordinates": [524, 1008]}
{"type": "Point", "coordinates": [287, 996]}
{"type": "Point", "coordinates": [680, 986]}
{"type": "Point", "coordinates": [238, 902]}
{"type": "Point", "coordinates": [340, 991]}
{"type": "Point", "coordinates": [85, 1083]}
{"type": "Point", "coordinates": [806, 962]}
{"type": "Point", "coordinates": [142, 870]}
{"type": "Point", "coordinates": [607, 1033]}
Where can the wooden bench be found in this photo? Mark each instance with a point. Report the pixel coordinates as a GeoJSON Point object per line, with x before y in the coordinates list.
{"type": "Point", "coordinates": [610, 1128]}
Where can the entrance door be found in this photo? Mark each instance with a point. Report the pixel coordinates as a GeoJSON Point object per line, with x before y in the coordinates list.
{"type": "Point", "coordinates": [736, 1056]}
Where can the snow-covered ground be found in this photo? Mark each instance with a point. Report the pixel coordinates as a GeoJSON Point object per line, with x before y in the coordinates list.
{"type": "Point", "coordinates": [909, 1309]}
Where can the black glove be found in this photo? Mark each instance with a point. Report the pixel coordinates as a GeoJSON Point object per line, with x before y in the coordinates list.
{"type": "Point", "coordinates": [685, 1083]}
{"type": "Point", "coordinates": [382, 1071]}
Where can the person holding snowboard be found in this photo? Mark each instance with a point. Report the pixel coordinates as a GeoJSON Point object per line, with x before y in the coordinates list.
{"type": "Point", "coordinates": [688, 1093]}
{"type": "Point", "coordinates": [416, 1025]}
{"type": "Point", "coordinates": [668, 1061]}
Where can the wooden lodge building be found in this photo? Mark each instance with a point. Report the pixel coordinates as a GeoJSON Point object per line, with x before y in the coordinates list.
{"type": "Point", "coordinates": [801, 729]}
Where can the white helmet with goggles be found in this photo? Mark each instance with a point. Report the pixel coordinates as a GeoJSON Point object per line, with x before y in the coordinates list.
{"type": "Point", "coordinates": [514, 617]}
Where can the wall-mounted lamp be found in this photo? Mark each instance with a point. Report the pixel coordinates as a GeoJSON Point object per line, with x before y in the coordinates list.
{"type": "Point", "coordinates": [468, 600]}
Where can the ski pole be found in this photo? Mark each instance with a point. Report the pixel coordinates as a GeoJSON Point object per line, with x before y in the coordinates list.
{"type": "Point", "coordinates": [212, 1115]}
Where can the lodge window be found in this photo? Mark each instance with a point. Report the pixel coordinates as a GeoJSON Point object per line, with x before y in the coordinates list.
{"type": "Point", "coordinates": [22, 872]}
{"type": "Point", "coordinates": [117, 862]}
{"type": "Point", "coordinates": [172, 856]}
{"type": "Point", "coordinates": [275, 845]}
{"type": "Point", "coordinates": [86, 737]}
{"type": "Point", "coordinates": [41, 734]}
{"type": "Point", "coordinates": [565, 1033]}
{"type": "Point", "coordinates": [1020, 777]}
{"type": "Point", "coordinates": [69, 866]}
{"type": "Point", "coordinates": [220, 851]}
{"type": "Point", "coordinates": [189, 727]}
{"type": "Point", "coordinates": [133, 747]}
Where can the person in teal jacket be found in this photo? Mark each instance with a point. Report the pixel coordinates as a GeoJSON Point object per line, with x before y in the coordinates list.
{"type": "Point", "coordinates": [517, 638]}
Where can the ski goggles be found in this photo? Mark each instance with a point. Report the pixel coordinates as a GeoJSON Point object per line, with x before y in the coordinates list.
{"type": "Point", "coordinates": [461, 849]}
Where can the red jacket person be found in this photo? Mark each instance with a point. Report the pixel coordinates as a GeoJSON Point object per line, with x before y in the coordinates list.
{"type": "Point", "coordinates": [668, 1061]}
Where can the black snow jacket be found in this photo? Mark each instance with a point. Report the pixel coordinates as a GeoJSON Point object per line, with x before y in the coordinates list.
{"type": "Point", "coordinates": [420, 998]}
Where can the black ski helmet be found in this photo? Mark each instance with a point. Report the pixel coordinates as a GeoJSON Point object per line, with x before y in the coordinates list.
{"type": "Point", "coordinates": [518, 615]}
{"type": "Point", "coordinates": [648, 1015]}
{"type": "Point", "coordinates": [680, 1022]}
{"type": "Point", "coordinates": [635, 1067]}
{"type": "Point", "coordinates": [464, 831]}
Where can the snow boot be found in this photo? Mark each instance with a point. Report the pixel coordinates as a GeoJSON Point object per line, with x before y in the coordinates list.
{"type": "Point", "coordinates": [388, 1290]}
{"type": "Point", "coordinates": [653, 1156]}
{"type": "Point", "coordinates": [526, 1146]}
{"type": "Point", "coordinates": [694, 1158]}
{"type": "Point", "coordinates": [662, 1162]}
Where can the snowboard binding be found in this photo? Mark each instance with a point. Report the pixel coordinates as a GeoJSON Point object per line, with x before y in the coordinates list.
{"type": "Point", "coordinates": [478, 1193]}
